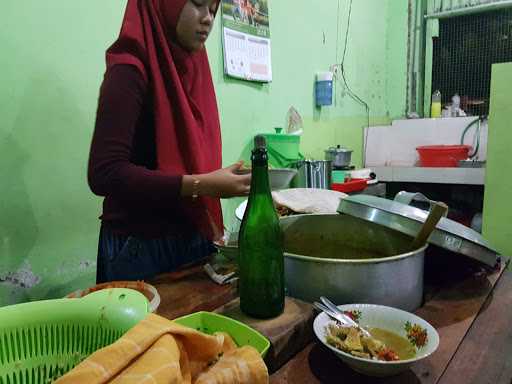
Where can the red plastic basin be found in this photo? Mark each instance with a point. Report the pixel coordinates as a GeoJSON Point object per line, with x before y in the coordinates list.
{"type": "Point", "coordinates": [353, 185]}
{"type": "Point", "coordinates": [442, 155]}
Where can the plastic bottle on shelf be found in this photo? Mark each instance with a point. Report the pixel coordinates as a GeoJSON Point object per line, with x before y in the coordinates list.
{"type": "Point", "coordinates": [435, 109]}
{"type": "Point", "coordinates": [456, 105]}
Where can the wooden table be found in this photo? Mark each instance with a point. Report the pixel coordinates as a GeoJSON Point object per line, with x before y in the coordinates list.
{"type": "Point", "coordinates": [475, 328]}
{"type": "Point", "coordinates": [473, 315]}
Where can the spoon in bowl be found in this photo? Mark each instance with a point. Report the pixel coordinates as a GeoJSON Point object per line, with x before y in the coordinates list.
{"type": "Point", "coordinates": [341, 318]}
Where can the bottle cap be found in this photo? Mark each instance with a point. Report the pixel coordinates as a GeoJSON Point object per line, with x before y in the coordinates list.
{"type": "Point", "coordinates": [324, 76]}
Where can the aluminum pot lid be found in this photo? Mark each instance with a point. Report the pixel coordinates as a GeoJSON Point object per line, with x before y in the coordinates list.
{"type": "Point", "coordinates": [338, 149]}
{"type": "Point", "coordinates": [404, 218]}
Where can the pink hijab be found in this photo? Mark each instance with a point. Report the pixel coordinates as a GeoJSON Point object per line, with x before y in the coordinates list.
{"type": "Point", "coordinates": [188, 139]}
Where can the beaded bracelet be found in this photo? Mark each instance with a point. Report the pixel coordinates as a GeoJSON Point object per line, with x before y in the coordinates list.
{"type": "Point", "coordinates": [195, 189]}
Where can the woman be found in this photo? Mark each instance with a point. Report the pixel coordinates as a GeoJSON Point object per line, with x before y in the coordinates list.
{"type": "Point", "coordinates": [156, 150]}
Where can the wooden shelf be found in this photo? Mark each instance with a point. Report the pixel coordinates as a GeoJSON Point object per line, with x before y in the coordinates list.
{"type": "Point", "coordinates": [468, 176]}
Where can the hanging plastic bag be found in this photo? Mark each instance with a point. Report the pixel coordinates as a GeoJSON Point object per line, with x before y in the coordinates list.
{"type": "Point", "coordinates": [294, 122]}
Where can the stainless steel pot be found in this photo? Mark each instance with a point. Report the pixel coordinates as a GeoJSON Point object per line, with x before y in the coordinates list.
{"type": "Point", "coordinates": [313, 174]}
{"type": "Point", "coordinates": [351, 261]}
{"type": "Point", "coordinates": [340, 157]}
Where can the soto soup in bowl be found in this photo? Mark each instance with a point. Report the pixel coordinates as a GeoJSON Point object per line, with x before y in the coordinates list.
{"type": "Point", "coordinates": [399, 339]}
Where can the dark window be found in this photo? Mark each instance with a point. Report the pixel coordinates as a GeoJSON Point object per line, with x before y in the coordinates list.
{"type": "Point", "coordinates": [464, 52]}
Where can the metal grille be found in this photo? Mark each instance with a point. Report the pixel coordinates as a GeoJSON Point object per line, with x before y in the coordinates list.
{"type": "Point", "coordinates": [464, 52]}
{"type": "Point", "coordinates": [451, 5]}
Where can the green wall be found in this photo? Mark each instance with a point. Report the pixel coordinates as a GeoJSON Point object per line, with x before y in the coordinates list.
{"type": "Point", "coordinates": [376, 67]}
{"type": "Point", "coordinates": [52, 64]}
{"type": "Point", "coordinates": [497, 221]}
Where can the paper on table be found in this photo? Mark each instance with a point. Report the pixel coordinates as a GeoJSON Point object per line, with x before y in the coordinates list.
{"type": "Point", "coordinates": [302, 200]}
{"type": "Point", "coordinates": [219, 278]}
{"type": "Point", "coordinates": [309, 200]}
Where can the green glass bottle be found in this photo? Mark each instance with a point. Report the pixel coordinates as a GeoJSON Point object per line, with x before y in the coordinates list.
{"type": "Point", "coordinates": [261, 258]}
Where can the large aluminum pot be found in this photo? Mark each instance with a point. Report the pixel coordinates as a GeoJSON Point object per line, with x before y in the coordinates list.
{"type": "Point", "coordinates": [340, 157]}
{"type": "Point", "coordinates": [313, 174]}
{"type": "Point", "coordinates": [351, 261]}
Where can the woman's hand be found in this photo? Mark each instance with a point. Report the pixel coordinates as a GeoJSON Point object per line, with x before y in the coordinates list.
{"type": "Point", "coordinates": [224, 183]}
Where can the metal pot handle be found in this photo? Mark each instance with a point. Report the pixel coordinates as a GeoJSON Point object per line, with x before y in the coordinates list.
{"type": "Point", "coordinates": [406, 198]}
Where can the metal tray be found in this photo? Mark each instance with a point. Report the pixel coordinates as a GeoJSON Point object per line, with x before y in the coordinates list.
{"type": "Point", "coordinates": [404, 218]}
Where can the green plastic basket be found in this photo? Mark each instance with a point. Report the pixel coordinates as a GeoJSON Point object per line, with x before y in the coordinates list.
{"type": "Point", "coordinates": [209, 323]}
{"type": "Point", "coordinates": [43, 340]}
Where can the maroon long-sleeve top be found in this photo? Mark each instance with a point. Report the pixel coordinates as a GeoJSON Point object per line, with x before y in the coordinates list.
{"type": "Point", "coordinates": [139, 200]}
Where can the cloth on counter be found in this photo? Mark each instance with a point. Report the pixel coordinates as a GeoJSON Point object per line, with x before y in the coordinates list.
{"type": "Point", "coordinates": [309, 200]}
{"type": "Point", "coordinates": [158, 350]}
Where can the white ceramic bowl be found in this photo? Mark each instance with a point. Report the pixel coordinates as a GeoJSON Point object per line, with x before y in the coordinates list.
{"type": "Point", "coordinates": [391, 319]}
{"type": "Point", "coordinates": [280, 178]}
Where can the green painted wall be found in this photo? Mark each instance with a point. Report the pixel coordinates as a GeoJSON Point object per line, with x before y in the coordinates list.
{"type": "Point", "coordinates": [376, 66]}
{"type": "Point", "coordinates": [497, 221]}
{"type": "Point", "coordinates": [52, 65]}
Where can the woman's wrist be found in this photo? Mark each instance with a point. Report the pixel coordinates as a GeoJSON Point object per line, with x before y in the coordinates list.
{"type": "Point", "coordinates": [195, 186]}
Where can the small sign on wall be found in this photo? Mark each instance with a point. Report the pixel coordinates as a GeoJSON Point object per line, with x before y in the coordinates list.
{"type": "Point", "coordinates": [246, 39]}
